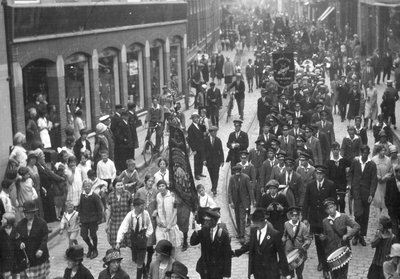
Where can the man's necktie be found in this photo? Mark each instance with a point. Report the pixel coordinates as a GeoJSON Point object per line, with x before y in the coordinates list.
{"type": "Point", "coordinates": [288, 180]}
{"type": "Point", "coordinates": [147, 199]}
{"type": "Point", "coordinates": [259, 236]}
{"type": "Point", "coordinates": [211, 235]}
{"type": "Point", "coordinates": [212, 141]}
{"type": "Point", "coordinates": [137, 224]}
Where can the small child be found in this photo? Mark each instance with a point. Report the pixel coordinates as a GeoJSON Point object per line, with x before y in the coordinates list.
{"type": "Point", "coordinates": [90, 215]}
{"type": "Point", "coordinates": [383, 240]}
{"type": "Point", "coordinates": [106, 170]}
{"type": "Point", "coordinates": [85, 164]}
{"type": "Point", "coordinates": [99, 187]}
{"type": "Point", "coordinates": [296, 236]}
{"type": "Point", "coordinates": [205, 202]}
{"type": "Point", "coordinates": [130, 177]}
{"type": "Point", "coordinates": [60, 190]}
{"type": "Point", "coordinates": [70, 223]}
{"type": "Point", "coordinates": [25, 189]}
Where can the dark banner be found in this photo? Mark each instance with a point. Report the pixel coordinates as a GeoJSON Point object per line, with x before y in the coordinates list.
{"type": "Point", "coordinates": [284, 70]}
{"type": "Point", "coordinates": [180, 172]}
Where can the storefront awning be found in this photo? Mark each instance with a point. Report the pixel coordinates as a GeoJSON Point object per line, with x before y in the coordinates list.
{"type": "Point", "coordinates": [387, 3]}
{"type": "Point", "coordinates": [326, 13]}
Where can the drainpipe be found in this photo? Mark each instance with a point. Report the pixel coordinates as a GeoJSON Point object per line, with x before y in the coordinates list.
{"type": "Point", "coordinates": [9, 59]}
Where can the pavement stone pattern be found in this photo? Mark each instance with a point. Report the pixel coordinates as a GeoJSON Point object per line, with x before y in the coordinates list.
{"type": "Point", "coordinates": [362, 256]}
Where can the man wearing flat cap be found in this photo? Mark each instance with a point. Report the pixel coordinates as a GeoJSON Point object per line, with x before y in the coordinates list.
{"type": "Point", "coordinates": [305, 169]}
{"type": "Point", "coordinates": [267, 257]}
{"type": "Point", "coordinates": [351, 144]}
{"type": "Point", "coordinates": [276, 204]}
{"type": "Point", "coordinates": [336, 234]}
{"type": "Point", "coordinates": [313, 211]}
{"type": "Point", "coordinates": [343, 89]}
{"type": "Point", "coordinates": [240, 198]}
{"type": "Point", "coordinates": [266, 136]}
{"type": "Point", "coordinates": [237, 141]}
{"type": "Point", "coordinates": [389, 99]}
{"type": "Point", "coordinates": [214, 100]}
{"type": "Point", "coordinates": [313, 144]}
{"type": "Point", "coordinates": [257, 156]}
{"type": "Point", "coordinates": [263, 108]}
{"type": "Point", "coordinates": [213, 156]}
{"type": "Point", "coordinates": [216, 259]}
{"type": "Point", "coordinates": [288, 142]}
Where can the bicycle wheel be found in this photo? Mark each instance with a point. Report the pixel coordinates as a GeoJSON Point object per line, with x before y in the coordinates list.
{"type": "Point", "coordinates": [229, 110]}
{"type": "Point", "coordinates": [148, 152]}
{"type": "Point", "coordinates": [192, 98]}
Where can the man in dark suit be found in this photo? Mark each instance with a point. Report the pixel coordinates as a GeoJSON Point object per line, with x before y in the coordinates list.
{"type": "Point", "coordinates": [299, 115]}
{"type": "Point", "coordinates": [197, 80]}
{"type": "Point", "coordinates": [213, 156]}
{"type": "Point", "coordinates": [116, 118]}
{"type": "Point", "coordinates": [133, 120]}
{"type": "Point", "coordinates": [196, 144]}
{"type": "Point", "coordinates": [259, 67]}
{"type": "Point", "coordinates": [293, 180]}
{"type": "Point", "coordinates": [351, 144]}
{"type": "Point", "coordinates": [266, 253]}
{"type": "Point", "coordinates": [257, 156]}
{"type": "Point", "coordinates": [363, 182]}
{"type": "Point", "coordinates": [288, 142]}
{"type": "Point", "coordinates": [263, 108]}
{"type": "Point", "coordinates": [266, 136]}
{"type": "Point", "coordinates": [124, 144]}
{"type": "Point", "coordinates": [392, 200]}
{"type": "Point", "coordinates": [78, 147]}
{"type": "Point", "coordinates": [237, 141]}
{"type": "Point", "coordinates": [343, 89]}
{"type": "Point", "coordinates": [308, 105]}
{"type": "Point", "coordinates": [313, 211]}
{"type": "Point", "coordinates": [314, 145]}
{"type": "Point", "coordinates": [361, 132]}
{"type": "Point", "coordinates": [240, 198]}
{"type": "Point", "coordinates": [265, 172]}
{"type": "Point", "coordinates": [240, 88]}
{"type": "Point", "coordinates": [216, 259]}
{"type": "Point", "coordinates": [275, 129]}
{"type": "Point", "coordinates": [250, 71]}
{"type": "Point", "coordinates": [323, 141]}
{"type": "Point", "coordinates": [326, 126]}
{"type": "Point", "coordinates": [214, 101]}
{"type": "Point", "coordinates": [296, 130]}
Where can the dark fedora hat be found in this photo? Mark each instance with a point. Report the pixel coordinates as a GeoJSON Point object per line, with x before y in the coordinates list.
{"type": "Point", "coordinates": [29, 206]}
{"type": "Point", "coordinates": [258, 215]}
{"type": "Point", "coordinates": [75, 253]}
{"type": "Point", "coordinates": [179, 269]}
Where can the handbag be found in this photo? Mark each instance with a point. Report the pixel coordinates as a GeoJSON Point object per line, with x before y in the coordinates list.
{"type": "Point", "coordinates": [21, 261]}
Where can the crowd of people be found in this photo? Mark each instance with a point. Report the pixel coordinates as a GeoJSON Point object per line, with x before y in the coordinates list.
{"type": "Point", "coordinates": [291, 186]}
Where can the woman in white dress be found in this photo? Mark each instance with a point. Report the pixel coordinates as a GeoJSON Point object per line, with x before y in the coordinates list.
{"type": "Point", "coordinates": [384, 173]}
{"type": "Point", "coordinates": [44, 128]}
{"type": "Point", "coordinates": [18, 154]}
{"type": "Point", "coordinates": [74, 181]}
{"type": "Point", "coordinates": [166, 214]}
{"type": "Point", "coordinates": [371, 105]}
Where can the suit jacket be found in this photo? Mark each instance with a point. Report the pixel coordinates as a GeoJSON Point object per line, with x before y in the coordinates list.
{"type": "Point", "coordinates": [367, 75]}
{"type": "Point", "coordinates": [250, 170]}
{"type": "Point", "coordinates": [292, 241]}
{"type": "Point", "coordinates": [264, 257]}
{"type": "Point", "coordinates": [240, 186]}
{"type": "Point", "coordinates": [214, 95]}
{"type": "Point", "coordinates": [327, 130]}
{"type": "Point", "coordinates": [195, 138]}
{"type": "Point", "coordinates": [257, 160]}
{"type": "Point", "coordinates": [307, 105]}
{"type": "Point", "coordinates": [299, 132]}
{"type": "Point", "coordinates": [392, 197]}
{"type": "Point", "coordinates": [84, 273]}
{"type": "Point", "coordinates": [351, 148]}
{"type": "Point", "coordinates": [132, 121]}
{"type": "Point", "coordinates": [120, 274]}
{"type": "Point", "coordinates": [250, 71]}
{"type": "Point", "coordinates": [213, 154]}
{"type": "Point", "coordinates": [315, 118]}
{"type": "Point", "coordinates": [266, 139]}
{"type": "Point", "coordinates": [363, 183]}
{"type": "Point", "coordinates": [289, 146]}
{"type": "Point", "coordinates": [36, 240]}
{"type": "Point", "coordinates": [115, 119]}
{"type": "Point", "coordinates": [242, 140]}
{"type": "Point", "coordinates": [315, 147]}
{"type": "Point", "coordinates": [296, 184]}
{"type": "Point", "coordinates": [325, 145]}
{"type": "Point", "coordinates": [313, 209]}
{"type": "Point", "coordinates": [306, 176]}
{"type": "Point", "coordinates": [362, 133]}
{"type": "Point", "coordinates": [78, 146]}
{"type": "Point", "coordinates": [265, 172]}
{"type": "Point", "coordinates": [240, 88]}
{"type": "Point", "coordinates": [276, 133]}
{"type": "Point", "coordinates": [263, 109]}
{"type": "Point", "coordinates": [276, 217]}
{"type": "Point", "coordinates": [216, 258]}
{"type": "Point", "coordinates": [123, 136]}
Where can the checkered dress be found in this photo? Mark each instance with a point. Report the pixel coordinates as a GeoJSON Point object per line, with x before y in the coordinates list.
{"type": "Point", "coordinates": [119, 209]}
{"type": "Point", "coordinates": [41, 271]}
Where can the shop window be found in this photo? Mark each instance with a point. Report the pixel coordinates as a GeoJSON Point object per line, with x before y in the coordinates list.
{"type": "Point", "coordinates": [175, 81]}
{"type": "Point", "coordinates": [108, 80]}
{"type": "Point", "coordinates": [156, 68]}
{"type": "Point", "coordinates": [77, 88]}
{"type": "Point", "coordinates": [35, 80]}
{"type": "Point", "coordinates": [135, 72]}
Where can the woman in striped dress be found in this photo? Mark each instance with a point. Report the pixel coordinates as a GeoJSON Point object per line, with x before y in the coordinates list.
{"type": "Point", "coordinates": [119, 205]}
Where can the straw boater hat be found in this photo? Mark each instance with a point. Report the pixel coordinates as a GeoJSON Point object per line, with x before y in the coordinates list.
{"type": "Point", "coordinates": [112, 255]}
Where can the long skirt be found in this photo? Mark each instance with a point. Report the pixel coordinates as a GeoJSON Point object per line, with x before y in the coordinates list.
{"type": "Point", "coordinates": [41, 271]}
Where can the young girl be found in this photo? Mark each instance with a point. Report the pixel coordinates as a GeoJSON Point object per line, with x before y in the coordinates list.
{"type": "Point", "coordinates": [70, 222]}
{"type": "Point", "coordinates": [74, 181]}
{"type": "Point", "coordinates": [25, 189]}
{"type": "Point", "coordinates": [382, 241]}
{"type": "Point", "coordinates": [60, 190]}
{"type": "Point", "coordinates": [85, 164]}
{"type": "Point", "coordinates": [130, 177]}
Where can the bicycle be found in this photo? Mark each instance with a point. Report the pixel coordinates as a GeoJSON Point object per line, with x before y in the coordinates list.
{"type": "Point", "coordinates": [230, 106]}
{"type": "Point", "coordinates": [149, 147]}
